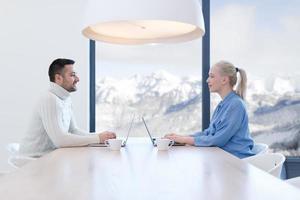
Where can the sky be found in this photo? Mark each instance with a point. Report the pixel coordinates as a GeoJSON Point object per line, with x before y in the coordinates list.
{"type": "Point", "coordinates": [259, 36]}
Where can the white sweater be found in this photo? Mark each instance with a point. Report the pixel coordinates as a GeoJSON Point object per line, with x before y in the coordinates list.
{"type": "Point", "coordinates": [53, 125]}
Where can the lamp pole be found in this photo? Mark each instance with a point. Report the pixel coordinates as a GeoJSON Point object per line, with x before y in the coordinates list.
{"type": "Point", "coordinates": [205, 64]}
{"type": "Point", "coordinates": [92, 86]}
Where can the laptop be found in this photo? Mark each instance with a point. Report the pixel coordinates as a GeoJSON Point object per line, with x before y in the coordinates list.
{"type": "Point", "coordinates": [124, 142]}
{"type": "Point", "coordinates": [153, 140]}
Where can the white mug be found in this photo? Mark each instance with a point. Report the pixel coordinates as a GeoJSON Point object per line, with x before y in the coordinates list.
{"type": "Point", "coordinates": [164, 143]}
{"type": "Point", "coordinates": [114, 144]}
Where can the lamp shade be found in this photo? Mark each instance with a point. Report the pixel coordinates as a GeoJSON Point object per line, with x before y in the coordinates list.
{"type": "Point", "coordinates": [135, 22]}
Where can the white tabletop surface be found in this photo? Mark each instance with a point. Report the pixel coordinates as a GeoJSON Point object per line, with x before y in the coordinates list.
{"type": "Point", "coordinates": [140, 171]}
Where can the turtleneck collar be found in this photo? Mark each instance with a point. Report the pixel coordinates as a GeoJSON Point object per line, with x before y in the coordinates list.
{"type": "Point", "coordinates": [59, 91]}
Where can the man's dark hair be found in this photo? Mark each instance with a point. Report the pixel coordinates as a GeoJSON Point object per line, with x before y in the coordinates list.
{"type": "Point", "coordinates": [57, 67]}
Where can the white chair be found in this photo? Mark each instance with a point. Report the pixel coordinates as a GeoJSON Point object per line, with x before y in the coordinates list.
{"type": "Point", "coordinates": [19, 161]}
{"type": "Point", "coordinates": [294, 181]}
{"type": "Point", "coordinates": [269, 162]}
{"type": "Point", "coordinates": [260, 148]}
{"type": "Point", "coordinates": [13, 148]}
{"type": "Point", "coordinates": [15, 160]}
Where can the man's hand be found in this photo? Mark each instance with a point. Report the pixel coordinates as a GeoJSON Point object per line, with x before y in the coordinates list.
{"type": "Point", "coordinates": [106, 135]}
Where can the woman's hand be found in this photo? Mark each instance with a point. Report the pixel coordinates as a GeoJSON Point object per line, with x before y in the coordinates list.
{"type": "Point", "coordinates": [180, 138]}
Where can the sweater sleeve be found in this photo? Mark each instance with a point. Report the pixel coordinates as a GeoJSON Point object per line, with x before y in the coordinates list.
{"type": "Point", "coordinates": [223, 129]}
{"type": "Point", "coordinates": [75, 130]}
{"type": "Point", "coordinates": [52, 122]}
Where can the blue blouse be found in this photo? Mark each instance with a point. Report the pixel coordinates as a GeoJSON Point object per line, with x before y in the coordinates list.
{"type": "Point", "coordinates": [228, 128]}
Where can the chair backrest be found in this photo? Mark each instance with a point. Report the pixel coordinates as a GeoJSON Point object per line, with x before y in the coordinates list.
{"type": "Point", "coordinates": [19, 161]}
{"type": "Point", "coordinates": [15, 160]}
{"type": "Point", "coordinates": [269, 162]}
{"type": "Point", "coordinates": [260, 148]}
{"type": "Point", "coordinates": [294, 181]}
{"type": "Point", "coordinates": [13, 148]}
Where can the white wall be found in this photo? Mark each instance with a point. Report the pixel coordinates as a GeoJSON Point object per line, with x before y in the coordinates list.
{"type": "Point", "coordinates": [34, 33]}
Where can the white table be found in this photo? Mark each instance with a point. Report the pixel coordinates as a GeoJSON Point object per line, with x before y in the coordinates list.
{"type": "Point", "coordinates": [139, 171]}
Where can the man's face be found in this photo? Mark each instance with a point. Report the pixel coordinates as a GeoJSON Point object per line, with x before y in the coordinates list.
{"type": "Point", "coordinates": [68, 79]}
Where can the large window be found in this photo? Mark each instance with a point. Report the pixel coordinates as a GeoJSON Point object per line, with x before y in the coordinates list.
{"type": "Point", "coordinates": [262, 37]}
{"type": "Point", "coordinates": [160, 82]}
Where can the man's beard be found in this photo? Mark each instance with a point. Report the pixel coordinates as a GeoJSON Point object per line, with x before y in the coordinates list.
{"type": "Point", "coordinates": [72, 88]}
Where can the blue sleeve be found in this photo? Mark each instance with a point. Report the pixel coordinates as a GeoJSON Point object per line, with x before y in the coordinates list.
{"type": "Point", "coordinates": [205, 132]}
{"type": "Point", "coordinates": [224, 128]}
{"type": "Point", "coordinates": [199, 133]}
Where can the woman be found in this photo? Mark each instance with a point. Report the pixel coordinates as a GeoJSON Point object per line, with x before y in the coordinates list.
{"type": "Point", "coordinates": [228, 128]}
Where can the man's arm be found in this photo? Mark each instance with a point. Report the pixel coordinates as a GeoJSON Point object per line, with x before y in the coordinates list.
{"type": "Point", "coordinates": [74, 128]}
{"type": "Point", "coordinates": [102, 136]}
{"type": "Point", "coordinates": [52, 122]}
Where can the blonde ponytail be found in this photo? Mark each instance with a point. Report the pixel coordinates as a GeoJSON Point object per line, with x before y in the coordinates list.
{"type": "Point", "coordinates": [228, 69]}
{"type": "Point", "coordinates": [241, 87]}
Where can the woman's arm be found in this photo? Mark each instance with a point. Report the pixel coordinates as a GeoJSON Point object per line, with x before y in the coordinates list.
{"type": "Point", "coordinates": [225, 128]}
{"type": "Point", "coordinates": [180, 138]}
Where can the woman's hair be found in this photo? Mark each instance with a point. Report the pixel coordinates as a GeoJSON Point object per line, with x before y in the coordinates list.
{"type": "Point", "coordinates": [228, 69]}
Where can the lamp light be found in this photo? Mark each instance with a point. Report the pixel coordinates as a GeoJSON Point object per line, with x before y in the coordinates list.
{"type": "Point", "coordinates": [133, 22]}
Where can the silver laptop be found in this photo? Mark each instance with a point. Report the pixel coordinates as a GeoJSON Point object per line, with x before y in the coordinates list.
{"type": "Point", "coordinates": [153, 140]}
{"type": "Point", "coordinates": [124, 142]}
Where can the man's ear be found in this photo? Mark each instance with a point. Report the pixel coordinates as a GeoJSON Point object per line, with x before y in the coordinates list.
{"type": "Point", "coordinates": [58, 78]}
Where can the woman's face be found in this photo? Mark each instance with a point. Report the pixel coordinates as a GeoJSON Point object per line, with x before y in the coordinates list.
{"type": "Point", "coordinates": [215, 81]}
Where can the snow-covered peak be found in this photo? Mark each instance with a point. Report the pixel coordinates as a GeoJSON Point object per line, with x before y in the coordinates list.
{"type": "Point", "coordinates": [282, 86]}
{"type": "Point", "coordinates": [164, 75]}
{"type": "Point", "coordinates": [162, 84]}
{"type": "Point", "coordinates": [256, 87]}
{"type": "Point", "coordinates": [111, 90]}
{"type": "Point", "coordinates": [158, 83]}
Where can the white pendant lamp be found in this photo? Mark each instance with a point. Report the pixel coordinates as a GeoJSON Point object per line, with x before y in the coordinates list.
{"type": "Point", "coordinates": [133, 22]}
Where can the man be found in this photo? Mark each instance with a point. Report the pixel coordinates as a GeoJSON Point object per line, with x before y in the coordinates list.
{"type": "Point", "coordinates": [53, 124]}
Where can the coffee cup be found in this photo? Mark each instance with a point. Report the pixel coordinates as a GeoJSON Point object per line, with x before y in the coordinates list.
{"type": "Point", "coordinates": [114, 144]}
{"type": "Point", "coordinates": [164, 143]}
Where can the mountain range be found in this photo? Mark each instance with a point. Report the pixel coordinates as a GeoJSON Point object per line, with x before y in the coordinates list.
{"type": "Point", "coordinates": [171, 103]}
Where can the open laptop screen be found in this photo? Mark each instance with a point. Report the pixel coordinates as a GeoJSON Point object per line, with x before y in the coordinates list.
{"type": "Point", "coordinates": [152, 140]}
{"type": "Point", "coordinates": [124, 143]}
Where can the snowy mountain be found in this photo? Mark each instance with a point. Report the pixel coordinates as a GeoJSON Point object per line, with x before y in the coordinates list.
{"type": "Point", "coordinates": [163, 99]}
{"type": "Point", "coordinates": [173, 104]}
